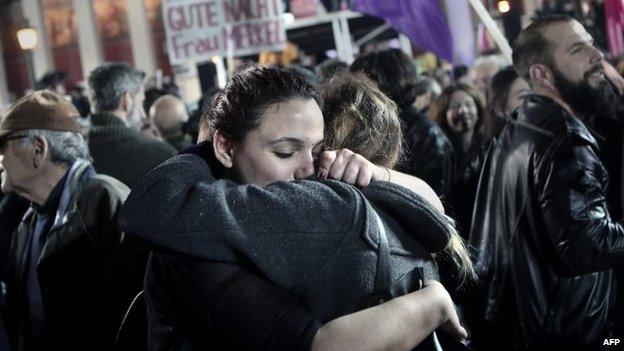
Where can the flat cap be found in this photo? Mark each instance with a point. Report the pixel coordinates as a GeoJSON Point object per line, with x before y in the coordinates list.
{"type": "Point", "coordinates": [42, 109]}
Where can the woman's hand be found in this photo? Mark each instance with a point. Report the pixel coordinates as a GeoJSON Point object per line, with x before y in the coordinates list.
{"type": "Point", "coordinates": [450, 322]}
{"type": "Point", "coordinates": [349, 167]}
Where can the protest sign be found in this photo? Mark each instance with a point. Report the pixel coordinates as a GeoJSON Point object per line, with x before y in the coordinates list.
{"type": "Point", "coordinates": [199, 29]}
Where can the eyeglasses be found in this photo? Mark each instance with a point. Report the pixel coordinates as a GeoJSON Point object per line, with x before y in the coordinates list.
{"type": "Point", "coordinates": [5, 141]}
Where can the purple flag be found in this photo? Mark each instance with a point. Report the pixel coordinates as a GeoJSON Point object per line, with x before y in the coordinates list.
{"type": "Point", "coordinates": [420, 20]}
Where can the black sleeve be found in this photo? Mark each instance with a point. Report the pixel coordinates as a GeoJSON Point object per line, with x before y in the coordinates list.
{"type": "Point", "coordinates": [571, 193]}
{"type": "Point", "coordinates": [430, 158]}
{"type": "Point", "coordinates": [221, 306]}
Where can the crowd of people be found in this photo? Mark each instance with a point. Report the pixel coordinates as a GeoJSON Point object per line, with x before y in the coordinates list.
{"type": "Point", "coordinates": [354, 207]}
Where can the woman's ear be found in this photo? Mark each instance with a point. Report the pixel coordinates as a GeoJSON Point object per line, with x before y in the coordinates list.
{"type": "Point", "coordinates": [222, 148]}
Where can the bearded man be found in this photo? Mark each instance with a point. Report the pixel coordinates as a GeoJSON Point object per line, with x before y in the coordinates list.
{"type": "Point", "coordinates": [546, 240]}
{"type": "Point", "coordinates": [117, 146]}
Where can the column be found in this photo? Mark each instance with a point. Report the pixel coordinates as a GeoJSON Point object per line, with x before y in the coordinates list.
{"type": "Point", "coordinates": [405, 44]}
{"type": "Point", "coordinates": [346, 33]}
{"type": "Point", "coordinates": [141, 37]}
{"type": "Point", "coordinates": [342, 37]}
{"type": "Point", "coordinates": [42, 58]}
{"type": "Point", "coordinates": [89, 43]}
{"type": "Point", "coordinates": [4, 88]}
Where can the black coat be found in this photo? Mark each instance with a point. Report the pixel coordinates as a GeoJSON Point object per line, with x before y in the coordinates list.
{"type": "Point", "coordinates": [124, 153]}
{"type": "Point", "coordinates": [464, 180]}
{"type": "Point", "coordinates": [546, 241]}
{"type": "Point", "coordinates": [88, 270]}
{"type": "Point", "coordinates": [429, 154]}
{"type": "Point", "coordinates": [318, 241]}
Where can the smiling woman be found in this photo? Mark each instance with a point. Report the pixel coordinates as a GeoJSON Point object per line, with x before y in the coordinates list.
{"type": "Point", "coordinates": [461, 114]}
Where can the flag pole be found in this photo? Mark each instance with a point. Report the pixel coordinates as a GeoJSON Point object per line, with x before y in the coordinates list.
{"type": "Point", "coordinates": [492, 28]}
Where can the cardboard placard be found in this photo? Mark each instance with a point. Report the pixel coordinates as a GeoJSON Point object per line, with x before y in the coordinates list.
{"type": "Point", "coordinates": [200, 29]}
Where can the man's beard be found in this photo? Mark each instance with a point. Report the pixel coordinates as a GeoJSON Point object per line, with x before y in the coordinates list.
{"type": "Point", "coordinates": [600, 101]}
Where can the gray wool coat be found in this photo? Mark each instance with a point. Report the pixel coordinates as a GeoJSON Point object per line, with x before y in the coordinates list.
{"type": "Point", "coordinates": [318, 239]}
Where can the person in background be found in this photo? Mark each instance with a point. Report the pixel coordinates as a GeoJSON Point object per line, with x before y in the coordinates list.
{"type": "Point", "coordinates": [507, 91]}
{"type": "Point", "coordinates": [461, 75]}
{"type": "Point", "coordinates": [429, 152]}
{"type": "Point", "coordinates": [427, 90]}
{"type": "Point", "coordinates": [54, 81]}
{"type": "Point", "coordinates": [168, 114]}
{"type": "Point", "coordinates": [117, 146]}
{"type": "Point", "coordinates": [443, 77]}
{"type": "Point", "coordinates": [331, 67]}
{"type": "Point", "coordinates": [541, 222]}
{"type": "Point", "coordinates": [151, 95]}
{"type": "Point", "coordinates": [461, 114]}
{"type": "Point", "coordinates": [484, 69]}
{"type": "Point", "coordinates": [72, 270]}
{"type": "Point", "coordinates": [79, 98]}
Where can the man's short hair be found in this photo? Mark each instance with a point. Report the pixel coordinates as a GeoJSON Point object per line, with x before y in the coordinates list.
{"type": "Point", "coordinates": [110, 81]}
{"type": "Point", "coordinates": [65, 147]}
{"type": "Point", "coordinates": [51, 79]}
{"type": "Point", "coordinates": [394, 72]}
{"type": "Point", "coordinates": [532, 47]}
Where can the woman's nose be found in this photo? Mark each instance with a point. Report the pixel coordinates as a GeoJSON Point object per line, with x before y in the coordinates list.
{"type": "Point", "coordinates": [306, 168]}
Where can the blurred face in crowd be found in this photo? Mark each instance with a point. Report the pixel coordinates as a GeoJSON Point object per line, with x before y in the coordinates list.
{"type": "Point", "coordinates": [284, 146]}
{"type": "Point", "coordinates": [137, 113]}
{"type": "Point", "coordinates": [60, 89]}
{"type": "Point", "coordinates": [462, 114]}
{"type": "Point", "coordinates": [577, 68]}
{"type": "Point", "coordinates": [16, 168]}
{"type": "Point", "coordinates": [483, 76]}
{"type": "Point", "coordinates": [517, 91]}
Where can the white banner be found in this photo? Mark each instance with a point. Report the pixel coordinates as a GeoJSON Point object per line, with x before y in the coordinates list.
{"type": "Point", "coordinates": [200, 29]}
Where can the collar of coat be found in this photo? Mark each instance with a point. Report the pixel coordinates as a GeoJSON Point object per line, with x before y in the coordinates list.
{"type": "Point", "coordinates": [106, 119]}
{"type": "Point", "coordinates": [547, 117]}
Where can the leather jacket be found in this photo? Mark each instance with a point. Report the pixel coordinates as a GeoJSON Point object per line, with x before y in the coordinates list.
{"type": "Point", "coordinates": [546, 241]}
{"type": "Point", "coordinates": [429, 154]}
{"type": "Point", "coordinates": [88, 271]}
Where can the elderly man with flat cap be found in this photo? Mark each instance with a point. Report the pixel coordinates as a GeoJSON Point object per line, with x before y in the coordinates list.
{"type": "Point", "coordinates": [72, 270]}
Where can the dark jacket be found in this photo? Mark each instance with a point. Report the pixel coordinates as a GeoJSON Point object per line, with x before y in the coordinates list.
{"type": "Point", "coordinates": [546, 241]}
{"type": "Point", "coordinates": [12, 209]}
{"type": "Point", "coordinates": [88, 271]}
{"type": "Point", "coordinates": [428, 151]}
{"type": "Point", "coordinates": [464, 181]}
{"type": "Point", "coordinates": [177, 138]}
{"type": "Point", "coordinates": [122, 152]}
{"type": "Point", "coordinates": [317, 240]}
